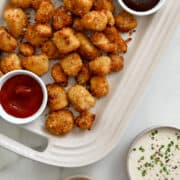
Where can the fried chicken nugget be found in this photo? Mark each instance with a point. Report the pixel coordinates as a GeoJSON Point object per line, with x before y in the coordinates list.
{"type": "Point", "coordinates": [50, 49]}
{"type": "Point", "coordinates": [84, 75]}
{"type": "Point", "coordinates": [1, 74]}
{"type": "Point", "coordinates": [16, 20]}
{"type": "Point", "coordinates": [87, 49]}
{"type": "Point", "coordinates": [45, 12]}
{"type": "Point", "coordinates": [38, 64]}
{"type": "Point", "coordinates": [57, 97]}
{"type": "Point", "coordinates": [111, 20]}
{"type": "Point", "coordinates": [78, 7]}
{"type": "Point", "coordinates": [113, 35]}
{"type": "Point", "coordinates": [102, 42]}
{"type": "Point", "coordinates": [104, 4]}
{"type": "Point", "coordinates": [77, 25]}
{"type": "Point", "coordinates": [10, 62]}
{"type": "Point", "coordinates": [95, 21]}
{"type": "Point", "coordinates": [85, 120]}
{"type": "Point", "coordinates": [58, 75]}
{"type": "Point", "coordinates": [71, 64]}
{"type": "Point", "coordinates": [8, 42]}
{"type": "Point", "coordinates": [61, 18]}
{"type": "Point", "coordinates": [21, 3]}
{"type": "Point", "coordinates": [80, 98]}
{"type": "Point", "coordinates": [99, 86]}
{"type": "Point", "coordinates": [125, 22]}
{"type": "Point", "coordinates": [117, 62]}
{"type": "Point", "coordinates": [37, 34]}
{"type": "Point", "coordinates": [26, 49]}
{"type": "Point", "coordinates": [66, 41]}
{"type": "Point", "coordinates": [60, 122]}
{"type": "Point", "coordinates": [100, 66]}
{"type": "Point", "coordinates": [36, 3]}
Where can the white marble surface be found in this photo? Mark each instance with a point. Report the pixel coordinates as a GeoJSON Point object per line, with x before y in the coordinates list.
{"type": "Point", "coordinates": [160, 105]}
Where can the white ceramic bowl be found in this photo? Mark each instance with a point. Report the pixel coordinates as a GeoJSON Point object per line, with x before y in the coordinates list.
{"type": "Point", "coordinates": [78, 178]}
{"type": "Point", "coordinates": [18, 121]}
{"type": "Point", "coordinates": [142, 13]}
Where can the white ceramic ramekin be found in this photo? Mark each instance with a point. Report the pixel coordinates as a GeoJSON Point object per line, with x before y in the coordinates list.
{"type": "Point", "coordinates": [19, 121]}
{"type": "Point", "coordinates": [142, 13]}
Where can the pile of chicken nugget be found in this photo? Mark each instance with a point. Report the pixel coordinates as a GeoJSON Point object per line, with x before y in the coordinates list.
{"type": "Point", "coordinates": [84, 36]}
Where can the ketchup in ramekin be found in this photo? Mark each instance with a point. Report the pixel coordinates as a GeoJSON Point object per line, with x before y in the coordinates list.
{"type": "Point", "coordinates": [21, 96]}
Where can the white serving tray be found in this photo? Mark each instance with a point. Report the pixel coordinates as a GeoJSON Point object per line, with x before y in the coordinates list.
{"type": "Point", "coordinates": [81, 148]}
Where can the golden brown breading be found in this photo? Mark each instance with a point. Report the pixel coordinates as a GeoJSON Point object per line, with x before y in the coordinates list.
{"type": "Point", "coordinates": [10, 62]}
{"type": "Point", "coordinates": [78, 7]}
{"type": "Point", "coordinates": [38, 64]}
{"type": "Point", "coordinates": [85, 120]}
{"type": "Point", "coordinates": [16, 20]}
{"type": "Point", "coordinates": [77, 25]}
{"type": "Point", "coordinates": [84, 75]}
{"type": "Point", "coordinates": [26, 49]}
{"type": "Point", "coordinates": [87, 49]}
{"type": "Point", "coordinates": [8, 42]}
{"type": "Point", "coordinates": [71, 64]}
{"type": "Point", "coordinates": [36, 3]}
{"type": "Point", "coordinates": [58, 75]}
{"type": "Point", "coordinates": [37, 34]}
{"type": "Point", "coordinates": [111, 20]}
{"type": "Point", "coordinates": [45, 12]}
{"type": "Point", "coordinates": [102, 42]}
{"type": "Point", "coordinates": [104, 4]}
{"type": "Point", "coordinates": [57, 97]}
{"type": "Point", "coordinates": [1, 74]}
{"type": "Point", "coordinates": [50, 49]}
{"type": "Point", "coordinates": [66, 41]}
{"type": "Point", "coordinates": [61, 18]}
{"type": "Point", "coordinates": [94, 20]}
{"type": "Point", "coordinates": [117, 62]}
{"type": "Point", "coordinates": [21, 3]}
{"type": "Point", "coordinates": [125, 21]}
{"type": "Point", "coordinates": [99, 86]}
{"type": "Point", "coordinates": [60, 122]}
{"type": "Point", "coordinates": [113, 35]}
{"type": "Point", "coordinates": [100, 66]}
{"type": "Point", "coordinates": [80, 98]}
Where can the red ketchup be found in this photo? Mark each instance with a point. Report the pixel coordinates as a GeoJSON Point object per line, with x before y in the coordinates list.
{"type": "Point", "coordinates": [21, 96]}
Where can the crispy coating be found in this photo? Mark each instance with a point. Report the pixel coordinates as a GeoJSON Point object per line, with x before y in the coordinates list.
{"type": "Point", "coordinates": [104, 4]}
{"type": "Point", "coordinates": [10, 62]}
{"type": "Point", "coordinates": [94, 20]}
{"type": "Point", "coordinates": [77, 25]}
{"type": "Point", "coordinates": [84, 75]}
{"type": "Point", "coordinates": [21, 3]}
{"type": "Point", "coordinates": [100, 66]}
{"type": "Point", "coordinates": [111, 20]}
{"type": "Point", "coordinates": [45, 12]}
{"type": "Point", "coordinates": [26, 49]}
{"type": "Point", "coordinates": [117, 62]}
{"type": "Point", "coordinates": [16, 20]}
{"type": "Point", "coordinates": [80, 98]}
{"type": "Point", "coordinates": [87, 49]}
{"type": "Point", "coordinates": [50, 49]}
{"type": "Point", "coordinates": [57, 97]}
{"type": "Point", "coordinates": [99, 86]}
{"type": "Point", "coordinates": [66, 41]}
{"type": "Point", "coordinates": [113, 35]}
{"type": "Point", "coordinates": [38, 64]}
{"type": "Point", "coordinates": [58, 75]}
{"type": "Point", "coordinates": [61, 18]}
{"type": "Point", "coordinates": [125, 21]}
{"type": "Point", "coordinates": [60, 122]}
{"type": "Point", "coordinates": [71, 64]}
{"type": "Point", "coordinates": [102, 42]}
{"type": "Point", "coordinates": [8, 42]}
{"type": "Point", "coordinates": [1, 74]}
{"type": "Point", "coordinates": [37, 34]}
{"type": "Point", "coordinates": [78, 7]}
{"type": "Point", "coordinates": [85, 120]}
{"type": "Point", "coordinates": [36, 3]}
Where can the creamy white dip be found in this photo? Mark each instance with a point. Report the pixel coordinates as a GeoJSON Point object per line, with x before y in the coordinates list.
{"type": "Point", "coordinates": [156, 156]}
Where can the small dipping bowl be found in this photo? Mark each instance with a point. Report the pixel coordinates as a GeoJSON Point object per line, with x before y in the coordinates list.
{"type": "Point", "coordinates": [16, 120]}
{"type": "Point", "coordinates": [138, 138]}
{"type": "Point", "coordinates": [78, 178]}
{"type": "Point", "coordinates": [142, 13]}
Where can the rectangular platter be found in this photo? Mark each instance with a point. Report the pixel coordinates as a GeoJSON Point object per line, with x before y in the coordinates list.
{"type": "Point", "coordinates": [81, 148]}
